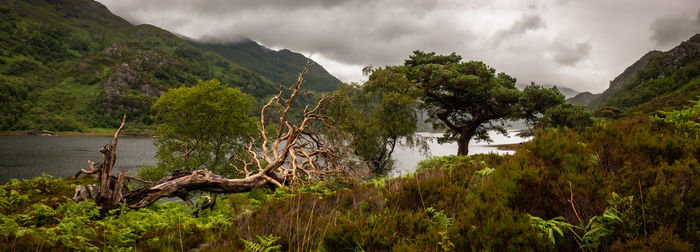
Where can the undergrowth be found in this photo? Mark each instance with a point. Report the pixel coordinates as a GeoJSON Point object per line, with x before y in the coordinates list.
{"type": "Point", "coordinates": [630, 184]}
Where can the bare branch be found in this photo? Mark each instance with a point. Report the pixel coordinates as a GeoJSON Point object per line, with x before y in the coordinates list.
{"type": "Point", "coordinates": [298, 153]}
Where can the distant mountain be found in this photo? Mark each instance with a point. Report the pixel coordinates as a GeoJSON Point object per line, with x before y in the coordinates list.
{"type": "Point", "coordinates": [567, 92]}
{"type": "Point", "coordinates": [73, 65]}
{"type": "Point", "coordinates": [658, 80]}
{"type": "Point", "coordinates": [275, 65]}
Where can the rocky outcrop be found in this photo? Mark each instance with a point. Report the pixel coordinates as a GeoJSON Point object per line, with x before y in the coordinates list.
{"type": "Point", "coordinates": [664, 64]}
{"type": "Point", "coordinates": [131, 85]}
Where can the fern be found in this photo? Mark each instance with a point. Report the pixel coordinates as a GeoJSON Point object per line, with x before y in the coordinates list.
{"type": "Point", "coordinates": [440, 217]}
{"type": "Point", "coordinates": [267, 243]}
{"type": "Point", "coordinates": [550, 227]}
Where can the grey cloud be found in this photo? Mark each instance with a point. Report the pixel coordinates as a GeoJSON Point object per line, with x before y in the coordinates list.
{"type": "Point", "coordinates": [569, 54]}
{"type": "Point", "coordinates": [670, 30]}
{"type": "Point", "coordinates": [361, 32]}
{"type": "Point", "coordinates": [522, 25]}
{"type": "Point", "coordinates": [354, 33]}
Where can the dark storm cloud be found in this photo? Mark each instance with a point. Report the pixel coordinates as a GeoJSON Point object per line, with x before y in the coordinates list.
{"type": "Point", "coordinates": [352, 31]}
{"type": "Point", "coordinates": [669, 30]}
{"type": "Point", "coordinates": [522, 25]}
{"type": "Point", "coordinates": [537, 40]}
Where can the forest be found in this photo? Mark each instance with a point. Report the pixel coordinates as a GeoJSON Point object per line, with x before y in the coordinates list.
{"type": "Point", "coordinates": [281, 176]}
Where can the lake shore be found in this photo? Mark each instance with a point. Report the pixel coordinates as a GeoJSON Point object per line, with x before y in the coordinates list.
{"type": "Point", "coordinates": [510, 147]}
{"type": "Point", "coordinates": [72, 133]}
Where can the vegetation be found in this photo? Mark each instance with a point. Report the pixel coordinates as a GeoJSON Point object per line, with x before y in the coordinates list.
{"type": "Point", "coordinates": [379, 115]}
{"type": "Point", "coordinates": [201, 126]}
{"type": "Point", "coordinates": [74, 66]}
{"type": "Point", "coordinates": [274, 65]}
{"type": "Point", "coordinates": [658, 80]}
{"type": "Point", "coordinates": [470, 99]}
{"type": "Point", "coordinates": [654, 88]}
{"type": "Point", "coordinates": [628, 184]}
{"type": "Point", "coordinates": [624, 184]}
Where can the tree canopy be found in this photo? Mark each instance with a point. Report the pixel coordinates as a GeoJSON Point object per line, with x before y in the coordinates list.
{"type": "Point", "coordinates": [470, 99]}
{"type": "Point", "coordinates": [201, 126]}
{"type": "Point", "coordinates": [379, 115]}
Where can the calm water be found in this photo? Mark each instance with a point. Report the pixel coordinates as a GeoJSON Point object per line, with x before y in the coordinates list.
{"type": "Point", "coordinates": [23, 157]}
{"type": "Point", "coordinates": [407, 159]}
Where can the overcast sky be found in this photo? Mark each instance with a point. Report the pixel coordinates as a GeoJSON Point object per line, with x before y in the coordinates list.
{"type": "Point", "coordinates": [576, 44]}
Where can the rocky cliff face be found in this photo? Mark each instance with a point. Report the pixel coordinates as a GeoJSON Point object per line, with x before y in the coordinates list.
{"type": "Point", "coordinates": [662, 63]}
{"type": "Point", "coordinates": [133, 76]}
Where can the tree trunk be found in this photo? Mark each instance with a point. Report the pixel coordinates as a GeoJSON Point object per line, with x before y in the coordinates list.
{"type": "Point", "coordinates": [302, 155]}
{"type": "Point", "coordinates": [463, 142]}
{"type": "Point", "coordinates": [463, 146]}
{"type": "Point", "coordinates": [181, 183]}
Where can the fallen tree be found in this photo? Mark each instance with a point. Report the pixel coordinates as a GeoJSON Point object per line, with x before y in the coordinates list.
{"type": "Point", "coordinates": [296, 153]}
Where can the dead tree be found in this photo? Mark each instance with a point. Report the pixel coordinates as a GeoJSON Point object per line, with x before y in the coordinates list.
{"type": "Point", "coordinates": [295, 153]}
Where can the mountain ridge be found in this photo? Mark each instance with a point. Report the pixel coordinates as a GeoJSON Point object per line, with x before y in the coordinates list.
{"type": "Point", "coordinates": [68, 65]}
{"type": "Point", "coordinates": [657, 80]}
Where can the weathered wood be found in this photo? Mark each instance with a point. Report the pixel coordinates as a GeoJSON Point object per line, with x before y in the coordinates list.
{"type": "Point", "coordinates": [297, 153]}
{"type": "Point", "coordinates": [185, 182]}
{"type": "Point", "coordinates": [94, 172]}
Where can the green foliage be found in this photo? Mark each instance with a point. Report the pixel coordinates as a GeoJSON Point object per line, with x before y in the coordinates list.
{"type": "Point", "coordinates": [567, 115]}
{"type": "Point", "coordinates": [659, 87]}
{"type": "Point", "coordinates": [267, 243]}
{"type": "Point", "coordinates": [535, 100]}
{"type": "Point", "coordinates": [201, 126]}
{"type": "Point", "coordinates": [609, 112]}
{"type": "Point", "coordinates": [630, 184]}
{"type": "Point", "coordinates": [449, 89]}
{"type": "Point", "coordinates": [106, 67]}
{"type": "Point", "coordinates": [685, 120]}
{"type": "Point", "coordinates": [379, 116]}
{"type": "Point", "coordinates": [36, 219]}
{"type": "Point", "coordinates": [549, 227]}
{"type": "Point", "coordinates": [470, 99]}
{"type": "Point", "coordinates": [273, 65]}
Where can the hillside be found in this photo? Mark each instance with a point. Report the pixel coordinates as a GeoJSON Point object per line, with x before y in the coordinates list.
{"type": "Point", "coordinates": [73, 65]}
{"type": "Point", "coordinates": [658, 80]}
{"type": "Point", "coordinates": [275, 65]}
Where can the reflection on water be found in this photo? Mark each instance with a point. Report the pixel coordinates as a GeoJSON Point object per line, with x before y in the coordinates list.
{"type": "Point", "coordinates": [23, 157]}
{"type": "Point", "coordinates": [407, 159]}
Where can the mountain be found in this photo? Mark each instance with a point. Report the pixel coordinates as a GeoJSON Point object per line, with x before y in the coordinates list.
{"type": "Point", "coordinates": [567, 92]}
{"type": "Point", "coordinates": [73, 65]}
{"type": "Point", "coordinates": [275, 65]}
{"type": "Point", "coordinates": [658, 80]}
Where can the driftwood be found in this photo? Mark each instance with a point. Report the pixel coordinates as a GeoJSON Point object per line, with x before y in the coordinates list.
{"type": "Point", "coordinates": [295, 154]}
{"type": "Point", "coordinates": [95, 172]}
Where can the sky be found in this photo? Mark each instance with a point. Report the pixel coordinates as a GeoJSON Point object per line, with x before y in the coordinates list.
{"type": "Point", "coordinates": [576, 44]}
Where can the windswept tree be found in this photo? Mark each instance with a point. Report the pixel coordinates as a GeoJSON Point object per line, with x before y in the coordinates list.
{"type": "Point", "coordinates": [546, 107]}
{"type": "Point", "coordinates": [292, 153]}
{"type": "Point", "coordinates": [535, 101]}
{"type": "Point", "coordinates": [469, 98]}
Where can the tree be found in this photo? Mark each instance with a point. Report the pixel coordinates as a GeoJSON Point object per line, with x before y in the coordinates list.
{"type": "Point", "coordinates": [567, 115]}
{"type": "Point", "coordinates": [295, 152]}
{"type": "Point", "coordinates": [202, 126]}
{"type": "Point", "coordinates": [535, 101]}
{"type": "Point", "coordinates": [379, 115]}
{"type": "Point", "coordinates": [469, 98]}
